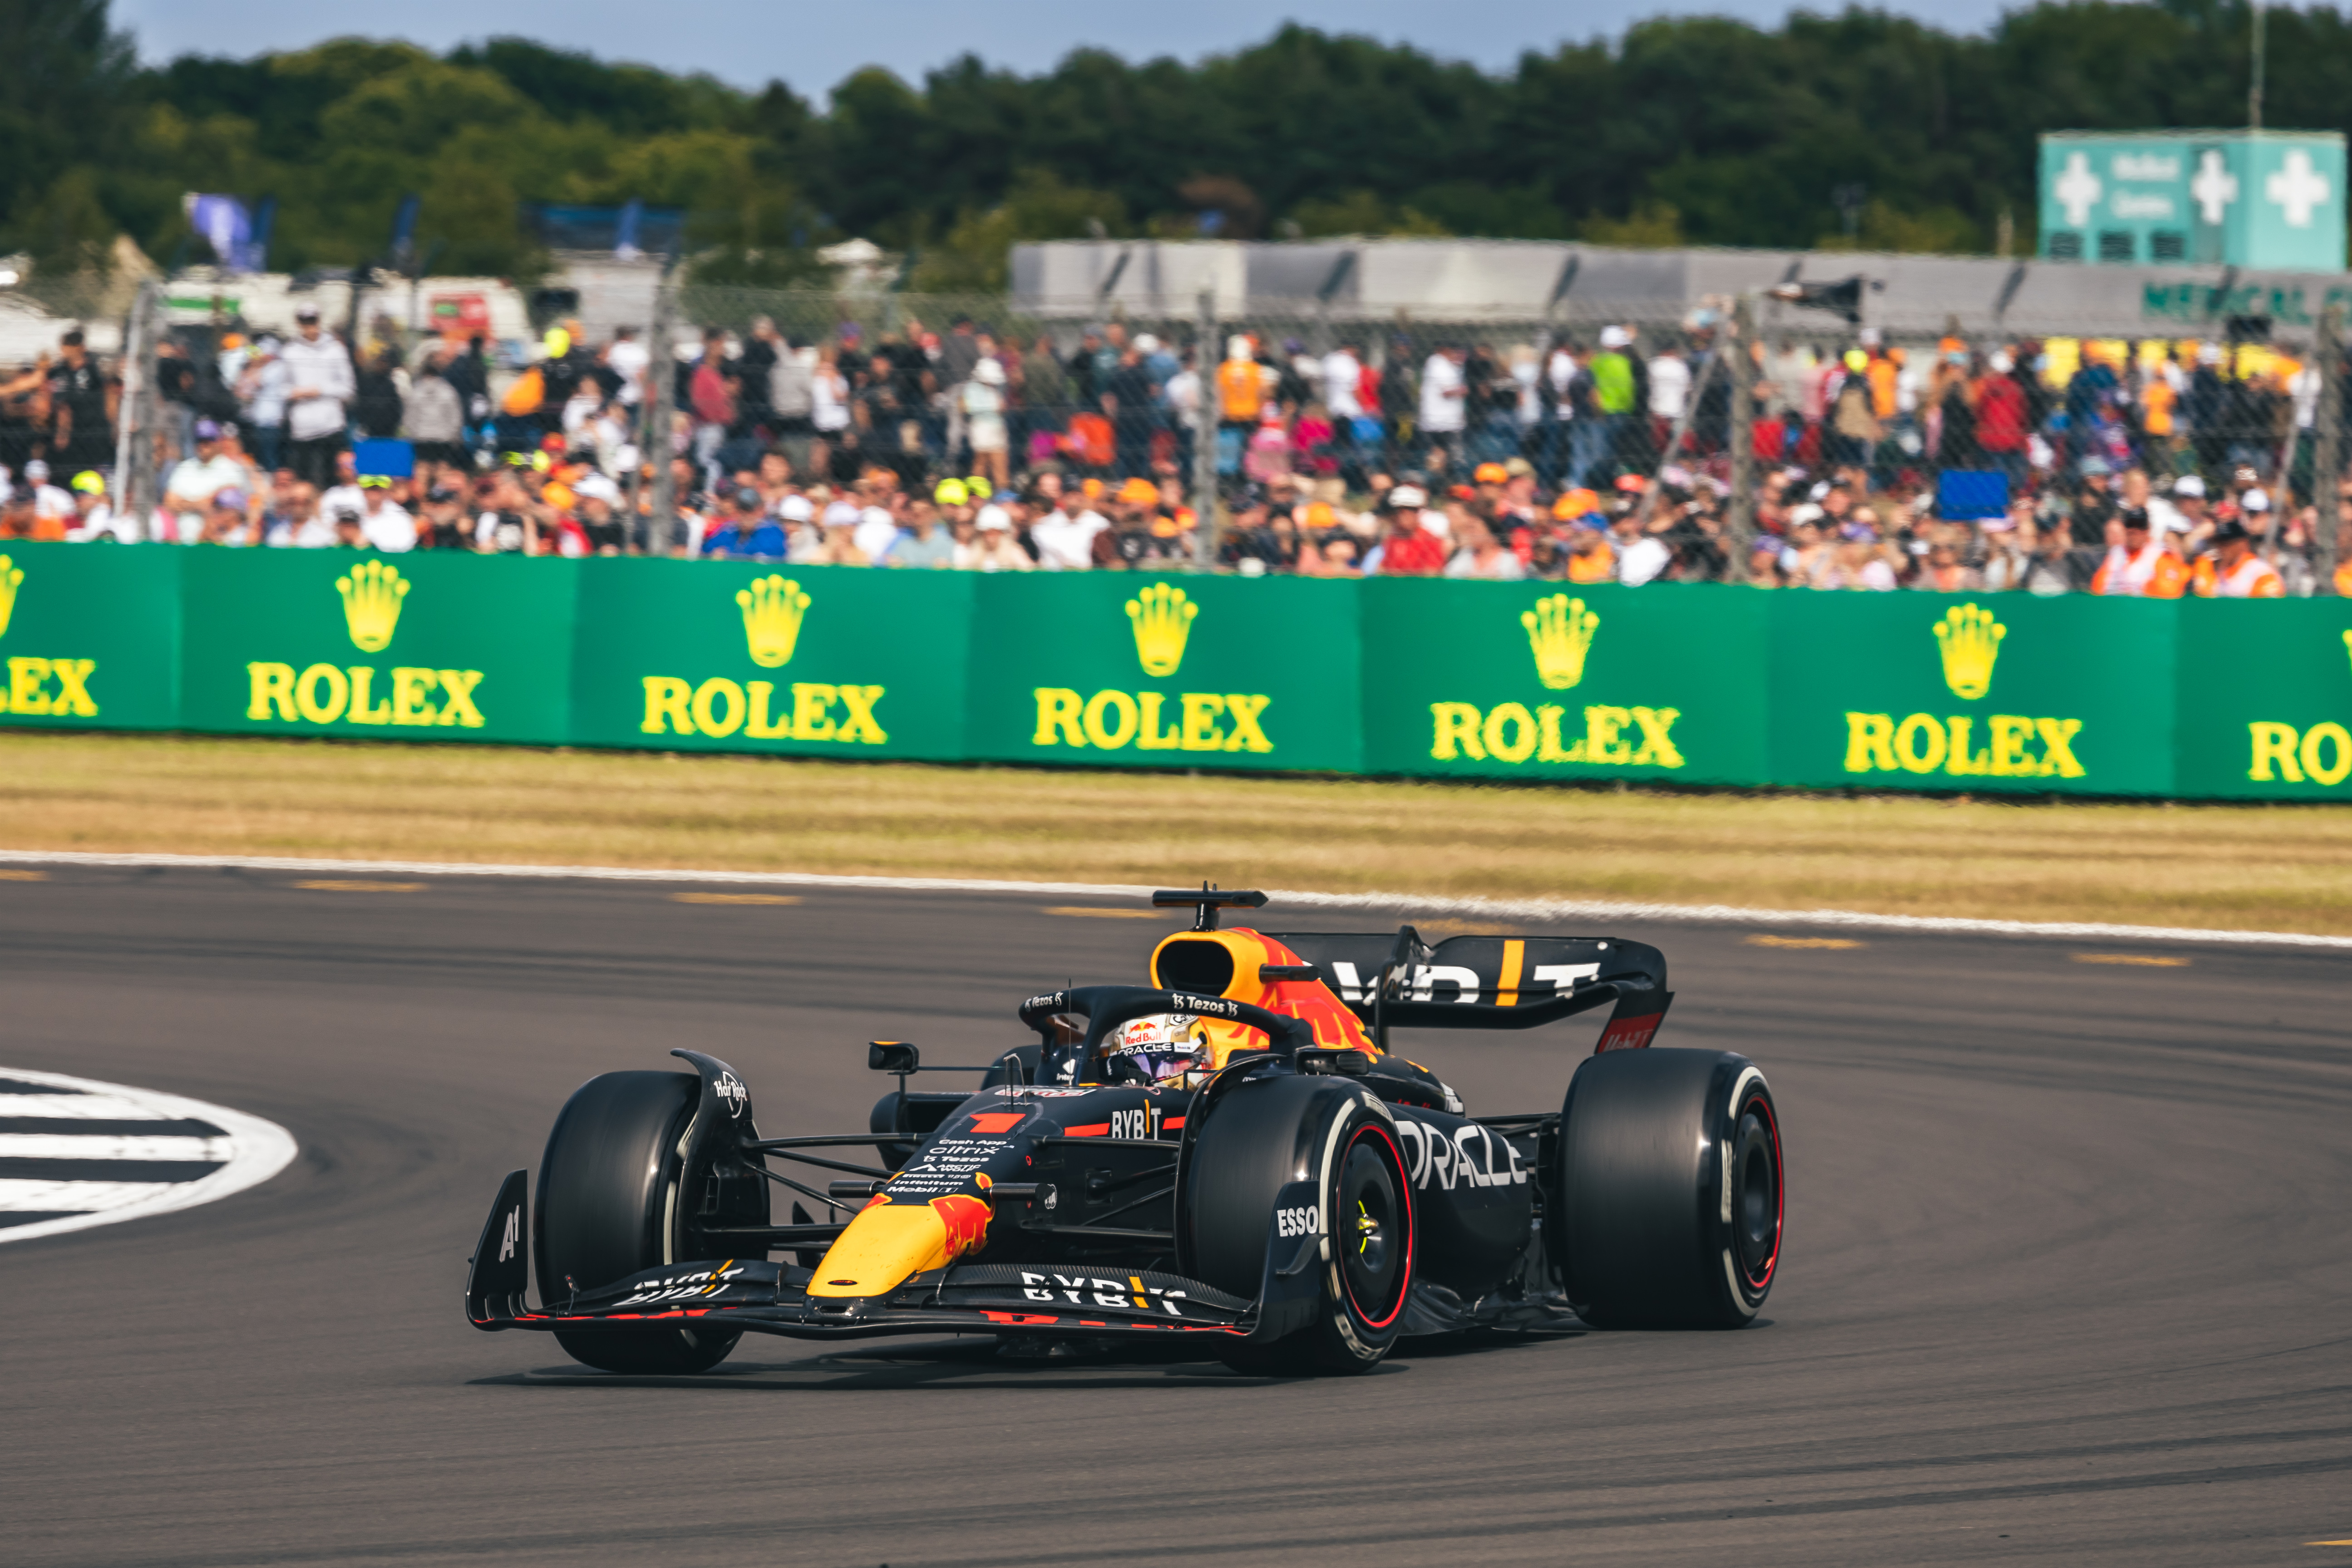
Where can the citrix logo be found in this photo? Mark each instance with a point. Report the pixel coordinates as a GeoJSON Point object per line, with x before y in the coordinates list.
{"type": "Point", "coordinates": [1560, 634]}
{"type": "Point", "coordinates": [1969, 639]}
{"type": "Point", "coordinates": [1162, 618]}
{"type": "Point", "coordinates": [773, 607]}
{"type": "Point", "coordinates": [371, 596]}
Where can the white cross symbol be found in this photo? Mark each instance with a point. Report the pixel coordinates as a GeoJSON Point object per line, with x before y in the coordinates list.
{"type": "Point", "coordinates": [2297, 187]}
{"type": "Point", "coordinates": [2214, 187]}
{"type": "Point", "coordinates": [2077, 189]}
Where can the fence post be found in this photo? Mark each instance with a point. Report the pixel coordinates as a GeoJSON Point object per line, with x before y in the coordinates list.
{"type": "Point", "coordinates": [1206, 356]}
{"type": "Point", "coordinates": [134, 442]}
{"type": "Point", "coordinates": [1739, 518]}
{"type": "Point", "coordinates": [661, 365]}
{"type": "Point", "coordinates": [2327, 456]}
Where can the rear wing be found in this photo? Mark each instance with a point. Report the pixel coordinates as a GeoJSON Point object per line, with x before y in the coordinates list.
{"type": "Point", "coordinates": [1488, 981]}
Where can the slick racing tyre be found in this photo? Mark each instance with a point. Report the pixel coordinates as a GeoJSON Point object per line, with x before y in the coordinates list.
{"type": "Point", "coordinates": [1670, 1203]}
{"type": "Point", "coordinates": [612, 1202]}
{"type": "Point", "coordinates": [1255, 1140]}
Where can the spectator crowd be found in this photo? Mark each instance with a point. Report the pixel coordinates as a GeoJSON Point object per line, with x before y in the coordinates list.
{"type": "Point", "coordinates": [2155, 468]}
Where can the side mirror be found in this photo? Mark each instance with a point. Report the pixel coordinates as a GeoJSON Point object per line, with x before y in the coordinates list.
{"type": "Point", "coordinates": [892, 1056]}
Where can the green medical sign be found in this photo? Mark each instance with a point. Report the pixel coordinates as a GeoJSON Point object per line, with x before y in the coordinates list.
{"type": "Point", "coordinates": [2271, 200]}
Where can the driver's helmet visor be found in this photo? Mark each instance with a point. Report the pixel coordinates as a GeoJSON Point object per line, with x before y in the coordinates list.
{"type": "Point", "coordinates": [1161, 1048]}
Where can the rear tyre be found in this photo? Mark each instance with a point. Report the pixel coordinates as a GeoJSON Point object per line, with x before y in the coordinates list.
{"type": "Point", "coordinates": [1254, 1142]}
{"type": "Point", "coordinates": [614, 1201]}
{"type": "Point", "coordinates": [1671, 1198]}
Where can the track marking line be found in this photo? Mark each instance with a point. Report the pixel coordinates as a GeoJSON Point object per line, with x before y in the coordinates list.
{"type": "Point", "coordinates": [2328, 1543]}
{"type": "Point", "coordinates": [18, 874]}
{"type": "Point", "coordinates": [246, 1152]}
{"type": "Point", "coordinates": [2150, 960]}
{"type": "Point", "coordinates": [332, 885]}
{"type": "Point", "coordinates": [1557, 911]}
{"type": "Point", "coordinates": [735, 898]}
{"type": "Point", "coordinates": [1087, 911]}
{"type": "Point", "coordinates": [1837, 941]}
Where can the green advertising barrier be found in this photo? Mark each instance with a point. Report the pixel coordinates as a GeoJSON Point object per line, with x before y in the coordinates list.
{"type": "Point", "coordinates": [2006, 692]}
{"type": "Point", "coordinates": [1125, 669]}
{"type": "Point", "coordinates": [89, 636]}
{"type": "Point", "coordinates": [1674, 682]}
{"type": "Point", "coordinates": [413, 647]}
{"type": "Point", "coordinates": [1530, 680]}
{"type": "Point", "coordinates": [2266, 700]}
{"type": "Point", "coordinates": [816, 660]}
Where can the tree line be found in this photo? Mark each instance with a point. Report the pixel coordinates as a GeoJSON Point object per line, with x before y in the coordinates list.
{"type": "Point", "coordinates": [1695, 130]}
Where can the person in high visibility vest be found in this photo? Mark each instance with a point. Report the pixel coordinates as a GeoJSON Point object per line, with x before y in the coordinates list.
{"type": "Point", "coordinates": [2140, 567]}
{"type": "Point", "coordinates": [2233, 571]}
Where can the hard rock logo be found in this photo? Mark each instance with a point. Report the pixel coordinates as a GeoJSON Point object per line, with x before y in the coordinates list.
{"type": "Point", "coordinates": [1162, 619]}
{"type": "Point", "coordinates": [1559, 633]}
{"type": "Point", "coordinates": [1970, 640]}
{"type": "Point", "coordinates": [371, 596]}
{"type": "Point", "coordinates": [11, 575]}
{"type": "Point", "coordinates": [773, 608]}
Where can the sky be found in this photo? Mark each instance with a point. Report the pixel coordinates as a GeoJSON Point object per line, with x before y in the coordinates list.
{"type": "Point", "coordinates": [812, 46]}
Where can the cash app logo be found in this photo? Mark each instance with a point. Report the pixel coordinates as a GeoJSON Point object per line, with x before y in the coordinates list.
{"type": "Point", "coordinates": [773, 607]}
{"type": "Point", "coordinates": [12, 576]}
{"type": "Point", "coordinates": [371, 596]}
{"type": "Point", "coordinates": [1162, 620]}
{"type": "Point", "coordinates": [1560, 634]}
{"type": "Point", "coordinates": [1970, 640]}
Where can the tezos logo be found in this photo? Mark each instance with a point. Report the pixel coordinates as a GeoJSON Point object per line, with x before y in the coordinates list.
{"type": "Point", "coordinates": [731, 1093]}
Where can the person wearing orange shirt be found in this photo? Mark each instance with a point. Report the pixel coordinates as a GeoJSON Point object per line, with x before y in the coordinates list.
{"type": "Point", "coordinates": [2140, 568]}
{"type": "Point", "coordinates": [2233, 571]}
{"type": "Point", "coordinates": [1241, 389]}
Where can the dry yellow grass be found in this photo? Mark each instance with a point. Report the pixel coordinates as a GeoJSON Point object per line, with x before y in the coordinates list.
{"type": "Point", "coordinates": [2247, 868]}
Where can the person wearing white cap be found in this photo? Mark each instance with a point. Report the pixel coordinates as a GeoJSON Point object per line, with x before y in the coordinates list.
{"type": "Point", "coordinates": [319, 383]}
{"type": "Point", "coordinates": [993, 546]}
{"type": "Point", "coordinates": [50, 504]}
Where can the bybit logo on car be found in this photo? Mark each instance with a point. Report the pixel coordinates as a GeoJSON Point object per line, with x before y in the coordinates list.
{"type": "Point", "coordinates": [774, 609]}
{"type": "Point", "coordinates": [1160, 618]}
{"type": "Point", "coordinates": [1560, 632]}
{"type": "Point", "coordinates": [1968, 640]}
{"type": "Point", "coordinates": [54, 687]}
{"type": "Point", "coordinates": [372, 593]}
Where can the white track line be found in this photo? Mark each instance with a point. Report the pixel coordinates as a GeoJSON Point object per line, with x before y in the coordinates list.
{"type": "Point", "coordinates": [253, 1151]}
{"type": "Point", "coordinates": [1549, 911]}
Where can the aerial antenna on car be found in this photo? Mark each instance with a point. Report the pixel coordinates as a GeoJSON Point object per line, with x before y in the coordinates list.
{"type": "Point", "coordinates": [1207, 902]}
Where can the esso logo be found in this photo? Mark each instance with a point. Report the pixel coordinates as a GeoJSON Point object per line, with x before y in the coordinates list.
{"type": "Point", "coordinates": [1297, 1222]}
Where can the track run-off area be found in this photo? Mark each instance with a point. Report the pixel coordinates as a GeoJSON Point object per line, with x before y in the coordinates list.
{"type": "Point", "coordinates": [2066, 1274]}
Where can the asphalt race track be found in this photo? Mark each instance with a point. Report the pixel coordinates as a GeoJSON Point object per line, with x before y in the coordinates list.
{"type": "Point", "coordinates": [2066, 1279]}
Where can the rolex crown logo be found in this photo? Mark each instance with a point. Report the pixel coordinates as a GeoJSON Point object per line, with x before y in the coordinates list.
{"type": "Point", "coordinates": [1559, 631]}
{"type": "Point", "coordinates": [8, 593]}
{"type": "Point", "coordinates": [773, 607]}
{"type": "Point", "coordinates": [1162, 618]}
{"type": "Point", "coordinates": [371, 596]}
{"type": "Point", "coordinates": [1970, 639]}
{"type": "Point", "coordinates": [12, 574]}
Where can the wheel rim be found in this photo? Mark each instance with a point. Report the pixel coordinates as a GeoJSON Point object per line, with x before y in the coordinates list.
{"type": "Point", "coordinates": [1372, 1228]}
{"type": "Point", "coordinates": [1759, 1200]}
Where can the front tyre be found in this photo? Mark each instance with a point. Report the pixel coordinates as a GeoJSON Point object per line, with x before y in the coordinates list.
{"type": "Point", "coordinates": [614, 1201]}
{"type": "Point", "coordinates": [1671, 1198]}
{"type": "Point", "coordinates": [1257, 1141]}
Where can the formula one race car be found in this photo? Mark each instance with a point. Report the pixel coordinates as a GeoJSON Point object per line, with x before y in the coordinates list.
{"type": "Point", "coordinates": [1230, 1152]}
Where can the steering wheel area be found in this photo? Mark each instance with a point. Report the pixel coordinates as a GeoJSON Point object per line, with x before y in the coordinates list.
{"type": "Point", "coordinates": [1106, 1007]}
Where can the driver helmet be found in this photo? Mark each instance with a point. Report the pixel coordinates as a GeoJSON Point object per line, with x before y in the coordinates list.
{"type": "Point", "coordinates": [1161, 1047]}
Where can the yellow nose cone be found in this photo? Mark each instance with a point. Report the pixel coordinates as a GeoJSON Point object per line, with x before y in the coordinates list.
{"type": "Point", "coordinates": [888, 1243]}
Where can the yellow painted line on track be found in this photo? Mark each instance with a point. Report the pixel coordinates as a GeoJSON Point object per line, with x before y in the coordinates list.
{"type": "Point", "coordinates": [340, 886]}
{"type": "Point", "coordinates": [735, 898]}
{"type": "Point", "coordinates": [1833, 941]}
{"type": "Point", "coordinates": [2146, 960]}
{"type": "Point", "coordinates": [16, 876]}
{"type": "Point", "coordinates": [1085, 911]}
